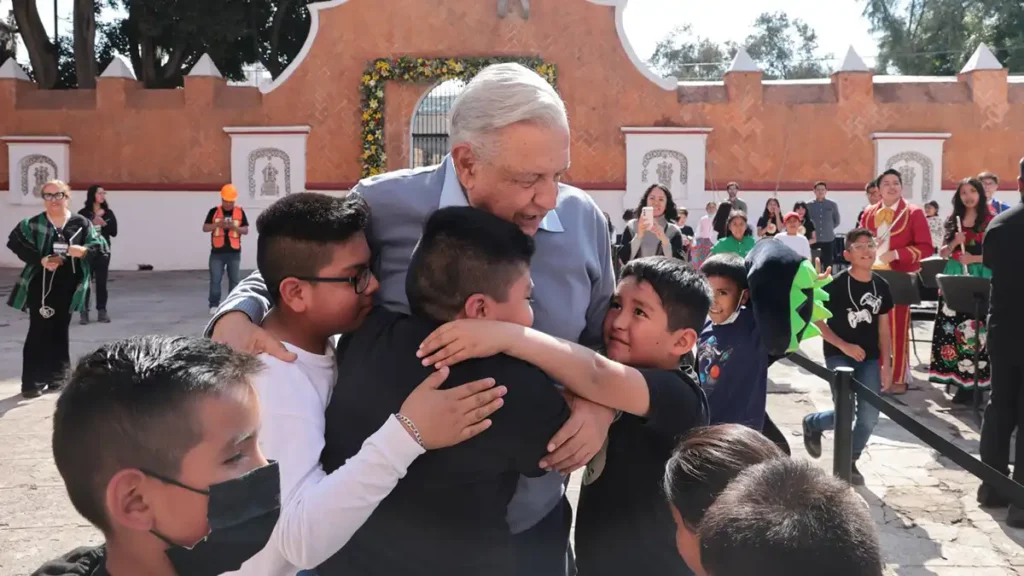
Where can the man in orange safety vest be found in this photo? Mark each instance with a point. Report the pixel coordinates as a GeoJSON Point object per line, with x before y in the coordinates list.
{"type": "Point", "coordinates": [226, 224]}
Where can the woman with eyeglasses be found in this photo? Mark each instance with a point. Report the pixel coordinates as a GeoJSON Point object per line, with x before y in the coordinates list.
{"type": "Point", "coordinates": [99, 213]}
{"type": "Point", "coordinates": [59, 249]}
{"type": "Point", "coordinates": [954, 334]}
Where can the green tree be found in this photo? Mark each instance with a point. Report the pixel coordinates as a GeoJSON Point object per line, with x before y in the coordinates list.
{"type": "Point", "coordinates": [924, 37]}
{"type": "Point", "coordinates": [278, 29]}
{"type": "Point", "coordinates": [785, 48]}
{"type": "Point", "coordinates": [687, 57]}
{"type": "Point", "coordinates": [42, 52]}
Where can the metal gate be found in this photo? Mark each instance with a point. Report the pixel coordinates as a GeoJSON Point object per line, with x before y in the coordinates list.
{"type": "Point", "coordinates": [430, 124]}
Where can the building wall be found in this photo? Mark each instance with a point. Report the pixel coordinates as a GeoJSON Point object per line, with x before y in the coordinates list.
{"type": "Point", "coordinates": [162, 152]}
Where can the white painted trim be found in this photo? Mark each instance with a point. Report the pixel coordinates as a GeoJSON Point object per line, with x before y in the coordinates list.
{"type": "Point", "coordinates": [804, 81]}
{"type": "Point", "coordinates": [11, 70]}
{"type": "Point", "coordinates": [910, 135]}
{"type": "Point", "coordinates": [35, 139]}
{"type": "Point", "coordinates": [669, 83]}
{"type": "Point", "coordinates": [665, 130]}
{"type": "Point", "coordinates": [205, 67]}
{"type": "Point", "coordinates": [913, 79]}
{"type": "Point", "coordinates": [982, 59]}
{"type": "Point", "coordinates": [314, 27]}
{"type": "Point", "coordinates": [266, 129]}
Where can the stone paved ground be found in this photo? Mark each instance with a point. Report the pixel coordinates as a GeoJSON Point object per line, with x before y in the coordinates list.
{"type": "Point", "coordinates": [923, 504]}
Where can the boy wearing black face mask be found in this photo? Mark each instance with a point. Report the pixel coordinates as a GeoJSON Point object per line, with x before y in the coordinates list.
{"type": "Point", "coordinates": [156, 440]}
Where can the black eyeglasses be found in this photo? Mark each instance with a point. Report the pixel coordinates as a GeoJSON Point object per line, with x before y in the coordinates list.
{"type": "Point", "coordinates": [54, 196]}
{"type": "Point", "coordinates": [360, 281]}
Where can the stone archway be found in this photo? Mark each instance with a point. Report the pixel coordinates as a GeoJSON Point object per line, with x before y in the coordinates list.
{"type": "Point", "coordinates": [428, 126]}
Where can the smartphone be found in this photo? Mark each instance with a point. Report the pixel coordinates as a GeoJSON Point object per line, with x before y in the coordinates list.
{"type": "Point", "coordinates": [647, 215]}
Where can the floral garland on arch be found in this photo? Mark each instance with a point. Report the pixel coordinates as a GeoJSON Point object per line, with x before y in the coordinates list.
{"type": "Point", "coordinates": [407, 69]}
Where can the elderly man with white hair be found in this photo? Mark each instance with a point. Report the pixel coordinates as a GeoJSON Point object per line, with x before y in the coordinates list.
{"type": "Point", "coordinates": [509, 150]}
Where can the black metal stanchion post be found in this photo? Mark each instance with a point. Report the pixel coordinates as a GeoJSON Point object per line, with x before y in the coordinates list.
{"type": "Point", "coordinates": [842, 462]}
{"type": "Point", "coordinates": [979, 303]}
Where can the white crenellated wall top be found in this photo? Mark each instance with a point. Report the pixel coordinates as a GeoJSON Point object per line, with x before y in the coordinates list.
{"type": "Point", "coordinates": [304, 129]}
{"type": "Point", "coordinates": [11, 70]}
{"type": "Point", "coordinates": [665, 130]}
{"type": "Point", "coordinates": [910, 135]}
{"type": "Point", "coordinates": [36, 139]}
{"type": "Point", "coordinates": [665, 83]}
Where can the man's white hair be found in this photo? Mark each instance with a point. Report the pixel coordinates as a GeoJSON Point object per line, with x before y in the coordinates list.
{"type": "Point", "coordinates": [499, 96]}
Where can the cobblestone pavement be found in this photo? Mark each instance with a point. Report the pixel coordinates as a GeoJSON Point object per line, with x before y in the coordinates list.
{"type": "Point", "coordinates": [923, 504]}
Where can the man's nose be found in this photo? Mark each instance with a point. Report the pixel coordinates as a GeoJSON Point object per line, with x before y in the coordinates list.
{"type": "Point", "coordinates": [546, 194]}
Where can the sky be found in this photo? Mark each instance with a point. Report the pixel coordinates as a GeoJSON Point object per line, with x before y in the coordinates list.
{"type": "Point", "coordinates": [648, 21]}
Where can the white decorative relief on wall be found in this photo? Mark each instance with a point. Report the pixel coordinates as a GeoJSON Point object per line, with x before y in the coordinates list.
{"type": "Point", "coordinates": [35, 171]}
{"type": "Point", "coordinates": [665, 169]}
{"type": "Point", "coordinates": [270, 173]}
{"type": "Point", "coordinates": [916, 170]}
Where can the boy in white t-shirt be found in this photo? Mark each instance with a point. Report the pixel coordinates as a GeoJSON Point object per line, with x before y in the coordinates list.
{"type": "Point", "coordinates": [312, 250]}
{"type": "Point", "coordinates": [793, 238]}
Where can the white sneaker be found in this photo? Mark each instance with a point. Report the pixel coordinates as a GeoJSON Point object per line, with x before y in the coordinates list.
{"type": "Point", "coordinates": [213, 311]}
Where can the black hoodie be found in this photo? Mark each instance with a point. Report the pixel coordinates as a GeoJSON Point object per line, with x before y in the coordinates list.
{"type": "Point", "coordinates": [83, 561]}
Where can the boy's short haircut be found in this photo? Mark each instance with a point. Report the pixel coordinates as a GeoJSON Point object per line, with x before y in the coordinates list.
{"type": "Point", "coordinates": [685, 293]}
{"type": "Point", "coordinates": [732, 185]}
{"type": "Point", "coordinates": [988, 176]}
{"type": "Point", "coordinates": [684, 212]}
{"type": "Point", "coordinates": [464, 251]}
{"type": "Point", "coordinates": [298, 233]}
{"type": "Point", "coordinates": [873, 185]}
{"type": "Point", "coordinates": [785, 517]}
{"type": "Point", "coordinates": [731, 266]}
{"type": "Point", "coordinates": [821, 183]}
{"type": "Point", "coordinates": [892, 172]}
{"type": "Point", "coordinates": [133, 404]}
{"type": "Point", "coordinates": [932, 204]}
{"type": "Point", "coordinates": [628, 214]}
{"type": "Point", "coordinates": [706, 461]}
{"type": "Point", "coordinates": [853, 236]}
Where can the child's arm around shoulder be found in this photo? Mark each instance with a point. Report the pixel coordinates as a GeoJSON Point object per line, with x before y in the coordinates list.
{"type": "Point", "coordinates": [584, 372]}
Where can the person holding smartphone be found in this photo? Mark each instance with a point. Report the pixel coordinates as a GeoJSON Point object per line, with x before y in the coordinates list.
{"type": "Point", "coordinates": [653, 232]}
{"type": "Point", "coordinates": [58, 249]}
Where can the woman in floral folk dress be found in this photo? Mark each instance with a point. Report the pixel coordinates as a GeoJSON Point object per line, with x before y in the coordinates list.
{"type": "Point", "coordinates": [954, 334]}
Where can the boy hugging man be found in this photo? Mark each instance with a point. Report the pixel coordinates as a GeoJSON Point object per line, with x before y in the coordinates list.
{"type": "Point", "coordinates": [856, 336]}
{"type": "Point", "coordinates": [313, 253]}
{"type": "Point", "coordinates": [623, 524]}
{"type": "Point", "coordinates": [156, 440]}
{"type": "Point", "coordinates": [448, 515]}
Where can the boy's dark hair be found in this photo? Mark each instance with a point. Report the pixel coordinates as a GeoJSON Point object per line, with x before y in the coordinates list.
{"type": "Point", "coordinates": [628, 214]}
{"type": "Point", "coordinates": [856, 234]}
{"type": "Point", "coordinates": [730, 266]}
{"type": "Point", "coordinates": [787, 517]}
{"type": "Point", "coordinates": [932, 204]}
{"type": "Point", "coordinates": [685, 293]}
{"type": "Point", "coordinates": [821, 183]}
{"type": "Point", "coordinates": [464, 251]}
{"type": "Point", "coordinates": [706, 461]}
{"type": "Point", "coordinates": [683, 212]}
{"type": "Point", "coordinates": [132, 404]}
{"type": "Point", "coordinates": [873, 185]}
{"type": "Point", "coordinates": [988, 176]}
{"type": "Point", "coordinates": [732, 185]}
{"type": "Point", "coordinates": [892, 171]}
{"type": "Point", "coordinates": [297, 234]}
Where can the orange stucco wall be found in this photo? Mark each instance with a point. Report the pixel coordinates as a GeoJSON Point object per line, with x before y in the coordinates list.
{"type": "Point", "coordinates": [127, 137]}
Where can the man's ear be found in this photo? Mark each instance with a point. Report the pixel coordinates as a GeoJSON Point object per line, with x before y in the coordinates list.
{"type": "Point", "coordinates": [294, 294]}
{"type": "Point", "coordinates": [744, 297]}
{"type": "Point", "coordinates": [683, 341]}
{"type": "Point", "coordinates": [465, 162]}
{"type": "Point", "coordinates": [126, 502]}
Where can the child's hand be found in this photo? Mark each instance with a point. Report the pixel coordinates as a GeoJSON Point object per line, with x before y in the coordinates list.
{"type": "Point", "coordinates": [465, 339]}
{"type": "Point", "coordinates": [447, 417]}
{"type": "Point", "coordinates": [822, 275]}
{"type": "Point", "coordinates": [855, 352]}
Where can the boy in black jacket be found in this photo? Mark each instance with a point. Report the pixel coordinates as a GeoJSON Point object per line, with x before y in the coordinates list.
{"type": "Point", "coordinates": [624, 525]}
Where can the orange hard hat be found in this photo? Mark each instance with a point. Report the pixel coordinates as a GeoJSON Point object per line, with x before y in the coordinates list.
{"type": "Point", "coordinates": [229, 193]}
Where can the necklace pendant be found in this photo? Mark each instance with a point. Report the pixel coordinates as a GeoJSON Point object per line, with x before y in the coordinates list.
{"type": "Point", "coordinates": [47, 312]}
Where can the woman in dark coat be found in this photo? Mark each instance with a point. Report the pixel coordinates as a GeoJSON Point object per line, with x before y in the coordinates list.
{"type": "Point", "coordinates": [102, 217]}
{"type": "Point", "coordinates": [58, 249]}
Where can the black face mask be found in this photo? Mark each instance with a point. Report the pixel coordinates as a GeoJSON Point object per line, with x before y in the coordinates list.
{"type": "Point", "coordinates": [242, 514]}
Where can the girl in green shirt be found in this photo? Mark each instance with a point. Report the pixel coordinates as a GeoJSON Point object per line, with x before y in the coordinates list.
{"type": "Point", "coordinates": [739, 241]}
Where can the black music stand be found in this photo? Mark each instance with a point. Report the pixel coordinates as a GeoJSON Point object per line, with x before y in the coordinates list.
{"type": "Point", "coordinates": [968, 295]}
{"type": "Point", "coordinates": [930, 268]}
{"type": "Point", "coordinates": [905, 291]}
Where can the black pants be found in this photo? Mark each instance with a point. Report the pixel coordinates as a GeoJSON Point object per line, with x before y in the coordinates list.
{"type": "Point", "coordinates": [825, 251]}
{"type": "Point", "coordinates": [1005, 410]}
{"type": "Point", "coordinates": [100, 271]}
{"type": "Point", "coordinates": [772, 432]}
{"type": "Point", "coordinates": [45, 358]}
{"type": "Point", "coordinates": [544, 549]}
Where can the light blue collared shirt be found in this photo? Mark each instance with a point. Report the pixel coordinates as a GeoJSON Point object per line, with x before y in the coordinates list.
{"type": "Point", "coordinates": [452, 194]}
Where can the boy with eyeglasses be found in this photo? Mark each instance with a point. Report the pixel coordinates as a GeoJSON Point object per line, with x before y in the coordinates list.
{"type": "Point", "coordinates": [857, 336]}
{"type": "Point", "coordinates": [313, 252]}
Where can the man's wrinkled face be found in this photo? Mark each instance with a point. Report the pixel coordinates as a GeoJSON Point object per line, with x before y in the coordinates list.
{"type": "Point", "coordinates": [517, 177]}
